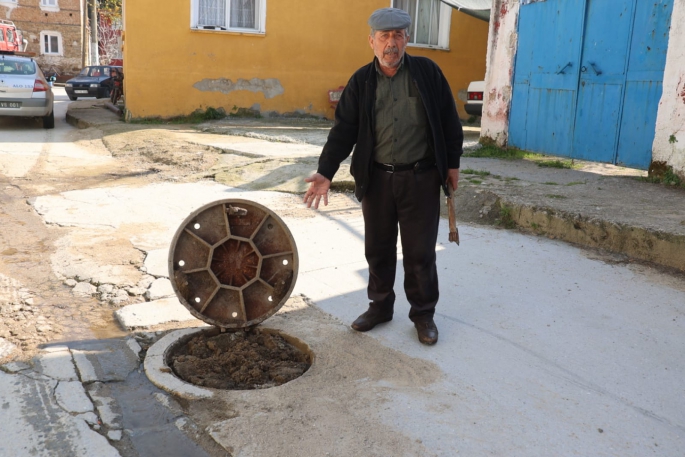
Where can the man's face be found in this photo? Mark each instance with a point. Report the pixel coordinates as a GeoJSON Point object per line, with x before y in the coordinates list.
{"type": "Point", "coordinates": [388, 46]}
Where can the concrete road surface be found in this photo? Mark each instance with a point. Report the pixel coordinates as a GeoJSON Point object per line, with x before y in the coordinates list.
{"type": "Point", "coordinates": [545, 349]}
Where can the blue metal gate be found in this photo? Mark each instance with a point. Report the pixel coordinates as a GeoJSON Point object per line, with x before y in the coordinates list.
{"type": "Point", "coordinates": [588, 78]}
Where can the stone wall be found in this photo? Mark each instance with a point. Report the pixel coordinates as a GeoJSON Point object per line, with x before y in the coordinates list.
{"type": "Point", "coordinates": [499, 73]}
{"type": "Point", "coordinates": [66, 20]}
{"type": "Point", "coordinates": [669, 142]}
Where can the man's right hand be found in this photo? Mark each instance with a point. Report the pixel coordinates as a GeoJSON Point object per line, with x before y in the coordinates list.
{"type": "Point", "coordinates": [318, 187]}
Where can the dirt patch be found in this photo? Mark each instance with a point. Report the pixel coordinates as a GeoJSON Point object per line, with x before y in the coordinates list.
{"type": "Point", "coordinates": [239, 360]}
{"type": "Point", "coordinates": [160, 150]}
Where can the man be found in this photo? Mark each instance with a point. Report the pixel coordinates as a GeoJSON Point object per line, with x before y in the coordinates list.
{"type": "Point", "coordinates": [399, 115]}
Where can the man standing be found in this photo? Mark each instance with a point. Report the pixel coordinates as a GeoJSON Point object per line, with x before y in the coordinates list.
{"type": "Point", "coordinates": [398, 114]}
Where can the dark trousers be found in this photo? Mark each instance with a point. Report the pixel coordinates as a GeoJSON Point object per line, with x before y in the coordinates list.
{"type": "Point", "coordinates": [412, 201]}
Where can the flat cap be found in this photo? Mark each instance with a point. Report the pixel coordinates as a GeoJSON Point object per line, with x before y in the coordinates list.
{"type": "Point", "coordinates": [389, 19]}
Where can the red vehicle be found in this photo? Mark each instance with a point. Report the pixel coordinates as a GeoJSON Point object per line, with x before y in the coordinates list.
{"type": "Point", "coordinates": [11, 39]}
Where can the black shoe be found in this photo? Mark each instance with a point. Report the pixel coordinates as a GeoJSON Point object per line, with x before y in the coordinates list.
{"type": "Point", "coordinates": [428, 332]}
{"type": "Point", "coordinates": [370, 319]}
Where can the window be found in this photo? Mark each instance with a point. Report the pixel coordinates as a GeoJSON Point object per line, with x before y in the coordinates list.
{"type": "Point", "coordinates": [430, 22]}
{"type": "Point", "coordinates": [9, 66]}
{"type": "Point", "coordinates": [49, 5]}
{"type": "Point", "coordinates": [238, 15]}
{"type": "Point", "coordinates": [51, 43]}
{"type": "Point", "coordinates": [95, 71]}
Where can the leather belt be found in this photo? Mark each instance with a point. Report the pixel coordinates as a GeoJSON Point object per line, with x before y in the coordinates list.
{"type": "Point", "coordinates": [416, 166]}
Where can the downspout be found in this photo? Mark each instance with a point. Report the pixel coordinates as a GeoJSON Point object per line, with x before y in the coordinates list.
{"type": "Point", "coordinates": [94, 48]}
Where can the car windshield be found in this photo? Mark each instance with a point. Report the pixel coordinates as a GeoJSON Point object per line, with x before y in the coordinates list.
{"type": "Point", "coordinates": [10, 66]}
{"type": "Point", "coordinates": [95, 71]}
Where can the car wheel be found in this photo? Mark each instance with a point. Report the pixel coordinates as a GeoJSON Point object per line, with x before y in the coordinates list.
{"type": "Point", "coordinates": [49, 121]}
{"type": "Point", "coordinates": [72, 97]}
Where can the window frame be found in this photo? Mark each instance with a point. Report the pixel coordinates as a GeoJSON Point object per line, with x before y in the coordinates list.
{"type": "Point", "coordinates": [260, 19]}
{"type": "Point", "coordinates": [444, 26]}
{"type": "Point", "coordinates": [45, 7]}
{"type": "Point", "coordinates": [51, 33]}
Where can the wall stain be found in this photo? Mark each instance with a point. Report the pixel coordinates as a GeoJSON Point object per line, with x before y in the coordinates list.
{"type": "Point", "coordinates": [269, 87]}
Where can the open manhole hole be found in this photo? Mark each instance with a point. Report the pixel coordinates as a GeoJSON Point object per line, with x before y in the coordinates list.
{"type": "Point", "coordinates": [233, 263]}
{"type": "Point", "coordinates": [240, 360]}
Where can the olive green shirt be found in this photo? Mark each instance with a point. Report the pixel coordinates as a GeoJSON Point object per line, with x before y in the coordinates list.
{"type": "Point", "coordinates": [401, 126]}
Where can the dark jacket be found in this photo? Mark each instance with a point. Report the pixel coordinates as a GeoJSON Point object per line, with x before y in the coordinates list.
{"type": "Point", "coordinates": [354, 123]}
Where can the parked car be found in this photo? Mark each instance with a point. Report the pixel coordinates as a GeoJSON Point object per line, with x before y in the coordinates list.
{"type": "Point", "coordinates": [92, 81]}
{"type": "Point", "coordinates": [474, 98]}
{"type": "Point", "coordinates": [24, 91]}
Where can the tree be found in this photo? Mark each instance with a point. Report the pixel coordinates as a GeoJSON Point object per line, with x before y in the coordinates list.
{"type": "Point", "coordinates": [109, 31]}
{"type": "Point", "coordinates": [110, 7]}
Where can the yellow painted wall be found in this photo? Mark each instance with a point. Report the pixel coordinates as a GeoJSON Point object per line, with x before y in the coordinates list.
{"type": "Point", "coordinates": [310, 46]}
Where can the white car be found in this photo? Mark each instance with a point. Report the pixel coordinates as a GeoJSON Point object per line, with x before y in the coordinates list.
{"type": "Point", "coordinates": [474, 98]}
{"type": "Point", "coordinates": [24, 91]}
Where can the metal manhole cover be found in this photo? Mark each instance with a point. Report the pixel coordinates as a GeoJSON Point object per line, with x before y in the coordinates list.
{"type": "Point", "coordinates": [233, 263]}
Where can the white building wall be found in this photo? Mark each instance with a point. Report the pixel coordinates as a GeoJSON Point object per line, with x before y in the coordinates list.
{"type": "Point", "coordinates": [669, 142]}
{"type": "Point", "coordinates": [499, 71]}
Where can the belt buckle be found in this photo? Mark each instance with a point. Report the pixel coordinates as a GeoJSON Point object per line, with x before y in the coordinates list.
{"type": "Point", "coordinates": [392, 168]}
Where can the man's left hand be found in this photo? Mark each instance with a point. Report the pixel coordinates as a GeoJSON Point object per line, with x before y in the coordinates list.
{"type": "Point", "coordinates": [453, 177]}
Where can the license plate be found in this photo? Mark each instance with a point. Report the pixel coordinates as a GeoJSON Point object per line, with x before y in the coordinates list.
{"type": "Point", "coordinates": [81, 91]}
{"type": "Point", "coordinates": [10, 104]}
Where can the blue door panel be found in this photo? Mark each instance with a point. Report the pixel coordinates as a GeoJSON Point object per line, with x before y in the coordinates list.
{"type": "Point", "coordinates": [638, 123]}
{"type": "Point", "coordinates": [587, 80]}
{"type": "Point", "coordinates": [552, 131]}
{"type": "Point", "coordinates": [602, 74]}
{"type": "Point", "coordinates": [547, 62]}
{"type": "Point", "coordinates": [518, 116]}
{"type": "Point", "coordinates": [646, 64]}
{"type": "Point", "coordinates": [650, 36]}
{"type": "Point", "coordinates": [597, 121]}
{"type": "Point", "coordinates": [607, 37]}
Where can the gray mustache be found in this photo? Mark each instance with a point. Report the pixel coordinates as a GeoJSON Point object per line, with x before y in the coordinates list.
{"type": "Point", "coordinates": [394, 50]}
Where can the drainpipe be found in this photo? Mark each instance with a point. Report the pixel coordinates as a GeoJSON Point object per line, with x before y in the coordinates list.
{"type": "Point", "coordinates": [94, 48]}
{"type": "Point", "coordinates": [84, 22]}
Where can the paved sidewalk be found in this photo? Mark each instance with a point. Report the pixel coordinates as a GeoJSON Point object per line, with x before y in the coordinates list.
{"type": "Point", "coordinates": [595, 205]}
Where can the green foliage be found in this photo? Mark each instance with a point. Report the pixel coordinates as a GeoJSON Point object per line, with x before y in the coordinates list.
{"type": "Point", "coordinates": [244, 113]}
{"type": "Point", "coordinates": [469, 171]}
{"type": "Point", "coordinates": [495, 152]}
{"type": "Point", "coordinates": [576, 183]}
{"type": "Point", "coordinates": [551, 183]}
{"type": "Point", "coordinates": [672, 139]}
{"type": "Point", "coordinates": [196, 117]}
{"type": "Point", "coordinates": [506, 218]}
{"type": "Point", "coordinates": [556, 196]}
{"type": "Point", "coordinates": [109, 5]}
{"type": "Point", "coordinates": [668, 177]}
{"type": "Point", "coordinates": [567, 164]}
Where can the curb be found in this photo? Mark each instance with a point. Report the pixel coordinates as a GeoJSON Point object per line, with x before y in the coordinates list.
{"type": "Point", "coordinates": [77, 121]}
{"type": "Point", "coordinates": [488, 208]}
{"type": "Point", "coordinates": [161, 375]}
{"type": "Point", "coordinates": [114, 109]}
